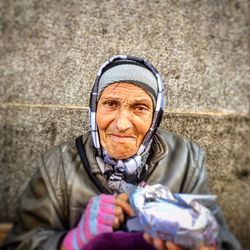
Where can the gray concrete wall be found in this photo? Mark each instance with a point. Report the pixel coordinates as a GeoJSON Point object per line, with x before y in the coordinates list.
{"type": "Point", "coordinates": [50, 52]}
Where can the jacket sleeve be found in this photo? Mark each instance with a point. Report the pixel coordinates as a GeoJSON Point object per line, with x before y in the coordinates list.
{"type": "Point", "coordinates": [198, 183]}
{"type": "Point", "coordinates": [38, 223]}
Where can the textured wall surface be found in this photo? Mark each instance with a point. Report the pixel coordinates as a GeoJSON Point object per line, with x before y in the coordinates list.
{"type": "Point", "coordinates": [50, 52]}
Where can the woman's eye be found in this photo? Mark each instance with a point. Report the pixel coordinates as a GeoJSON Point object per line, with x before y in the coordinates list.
{"type": "Point", "coordinates": [140, 108]}
{"type": "Point", "coordinates": [110, 103]}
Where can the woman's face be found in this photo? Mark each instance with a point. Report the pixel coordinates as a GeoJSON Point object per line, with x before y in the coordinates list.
{"type": "Point", "coordinates": [124, 115]}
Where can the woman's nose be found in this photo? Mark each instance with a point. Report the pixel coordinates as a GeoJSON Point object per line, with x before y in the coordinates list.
{"type": "Point", "coordinates": [123, 120]}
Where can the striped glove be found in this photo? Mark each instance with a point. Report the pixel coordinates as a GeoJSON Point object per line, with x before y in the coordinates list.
{"type": "Point", "coordinates": [98, 218]}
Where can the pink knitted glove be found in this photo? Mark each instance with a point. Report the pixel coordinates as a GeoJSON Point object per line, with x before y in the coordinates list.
{"type": "Point", "coordinates": [98, 218]}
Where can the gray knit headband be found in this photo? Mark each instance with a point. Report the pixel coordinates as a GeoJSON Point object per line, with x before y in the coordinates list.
{"type": "Point", "coordinates": [131, 73]}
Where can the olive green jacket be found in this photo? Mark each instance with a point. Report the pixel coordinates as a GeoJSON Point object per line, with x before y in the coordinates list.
{"type": "Point", "coordinates": [57, 194]}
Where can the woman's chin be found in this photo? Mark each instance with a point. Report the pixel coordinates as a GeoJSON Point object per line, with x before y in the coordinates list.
{"type": "Point", "coordinates": [121, 155]}
{"type": "Point", "coordinates": [121, 151]}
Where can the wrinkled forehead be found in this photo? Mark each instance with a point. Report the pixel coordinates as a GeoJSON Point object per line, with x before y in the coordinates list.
{"type": "Point", "coordinates": [126, 92]}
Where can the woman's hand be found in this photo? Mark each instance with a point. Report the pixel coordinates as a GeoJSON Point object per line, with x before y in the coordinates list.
{"type": "Point", "coordinates": [167, 245]}
{"type": "Point", "coordinates": [122, 207]}
{"type": "Point", "coordinates": [102, 214]}
{"type": "Point", "coordinates": [98, 217]}
{"type": "Point", "coordinates": [161, 244]}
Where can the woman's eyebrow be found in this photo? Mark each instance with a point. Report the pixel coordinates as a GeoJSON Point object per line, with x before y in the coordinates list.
{"type": "Point", "coordinates": [137, 100]}
{"type": "Point", "coordinates": [142, 100]}
{"type": "Point", "coordinates": [110, 98]}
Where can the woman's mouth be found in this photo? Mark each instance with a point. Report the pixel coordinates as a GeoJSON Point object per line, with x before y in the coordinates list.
{"type": "Point", "coordinates": [121, 138]}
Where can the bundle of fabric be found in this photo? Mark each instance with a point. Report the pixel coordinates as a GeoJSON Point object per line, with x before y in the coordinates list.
{"type": "Point", "coordinates": [118, 241]}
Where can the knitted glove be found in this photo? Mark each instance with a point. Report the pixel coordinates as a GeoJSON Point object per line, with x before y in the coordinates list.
{"type": "Point", "coordinates": [98, 218]}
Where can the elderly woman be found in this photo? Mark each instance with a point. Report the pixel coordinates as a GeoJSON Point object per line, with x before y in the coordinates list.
{"type": "Point", "coordinates": [79, 195]}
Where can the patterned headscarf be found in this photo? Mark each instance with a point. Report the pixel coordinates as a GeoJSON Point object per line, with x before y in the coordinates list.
{"type": "Point", "coordinates": [122, 174]}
